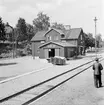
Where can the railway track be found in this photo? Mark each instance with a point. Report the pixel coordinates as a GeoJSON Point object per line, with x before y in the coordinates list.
{"type": "Point", "coordinates": [29, 95]}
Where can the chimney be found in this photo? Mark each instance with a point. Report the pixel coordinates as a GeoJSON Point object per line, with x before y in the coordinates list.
{"type": "Point", "coordinates": [67, 27]}
{"type": "Point", "coordinates": [49, 28]}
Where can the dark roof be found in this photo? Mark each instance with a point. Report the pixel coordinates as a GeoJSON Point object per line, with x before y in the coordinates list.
{"type": "Point", "coordinates": [57, 30]}
{"type": "Point", "coordinates": [39, 36]}
{"type": "Point", "coordinates": [69, 34]}
{"type": "Point", "coordinates": [73, 33]}
{"type": "Point", "coordinates": [63, 44]}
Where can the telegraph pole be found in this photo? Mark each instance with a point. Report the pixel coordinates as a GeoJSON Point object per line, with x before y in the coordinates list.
{"type": "Point", "coordinates": [13, 43]}
{"type": "Point", "coordinates": [95, 20]}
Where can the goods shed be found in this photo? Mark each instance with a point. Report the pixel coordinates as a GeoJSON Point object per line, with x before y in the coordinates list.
{"type": "Point", "coordinates": [52, 49]}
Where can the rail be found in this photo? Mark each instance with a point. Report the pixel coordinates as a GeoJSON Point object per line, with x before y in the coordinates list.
{"type": "Point", "coordinates": [45, 92]}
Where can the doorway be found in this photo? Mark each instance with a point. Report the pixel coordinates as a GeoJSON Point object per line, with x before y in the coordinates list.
{"type": "Point", "coordinates": [80, 50]}
{"type": "Point", "coordinates": [51, 53]}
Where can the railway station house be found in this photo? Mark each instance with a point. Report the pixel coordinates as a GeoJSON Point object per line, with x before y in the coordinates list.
{"type": "Point", "coordinates": [55, 42]}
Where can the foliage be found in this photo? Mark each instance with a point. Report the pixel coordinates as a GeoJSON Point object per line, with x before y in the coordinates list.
{"type": "Point", "coordinates": [20, 52]}
{"type": "Point", "coordinates": [21, 30]}
{"type": "Point", "coordinates": [58, 26]}
{"type": "Point", "coordinates": [41, 22]}
{"type": "Point", "coordinates": [99, 40]}
{"type": "Point", "coordinates": [5, 50]}
{"type": "Point", "coordinates": [2, 30]}
{"type": "Point", "coordinates": [89, 40]}
{"type": "Point", "coordinates": [30, 32]}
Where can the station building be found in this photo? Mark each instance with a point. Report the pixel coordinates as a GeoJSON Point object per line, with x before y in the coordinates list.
{"type": "Point", "coordinates": [54, 42]}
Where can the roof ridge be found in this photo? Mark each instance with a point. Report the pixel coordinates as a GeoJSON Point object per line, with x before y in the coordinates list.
{"type": "Point", "coordinates": [76, 28]}
{"type": "Point", "coordinates": [58, 43]}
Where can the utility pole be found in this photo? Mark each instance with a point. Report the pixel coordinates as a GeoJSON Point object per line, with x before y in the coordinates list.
{"type": "Point", "coordinates": [13, 43]}
{"type": "Point", "coordinates": [95, 20]}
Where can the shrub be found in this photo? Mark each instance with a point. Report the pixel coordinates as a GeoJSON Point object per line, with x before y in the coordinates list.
{"type": "Point", "coordinates": [20, 53]}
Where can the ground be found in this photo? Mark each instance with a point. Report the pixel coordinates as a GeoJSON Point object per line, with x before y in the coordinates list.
{"type": "Point", "coordinates": [78, 91]}
{"type": "Point", "coordinates": [17, 66]}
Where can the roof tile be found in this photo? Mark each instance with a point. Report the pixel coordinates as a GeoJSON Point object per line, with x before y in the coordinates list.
{"type": "Point", "coordinates": [69, 34]}
{"type": "Point", "coordinates": [39, 36]}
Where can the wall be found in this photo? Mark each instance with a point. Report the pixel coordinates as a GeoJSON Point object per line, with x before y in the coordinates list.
{"type": "Point", "coordinates": [55, 36]}
{"type": "Point", "coordinates": [35, 49]}
{"type": "Point", "coordinates": [41, 54]}
{"type": "Point", "coordinates": [61, 52]}
{"type": "Point", "coordinates": [72, 41]}
{"type": "Point", "coordinates": [51, 46]}
{"type": "Point", "coordinates": [81, 40]}
{"type": "Point", "coordinates": [69, 52]}
{"type": "Point", "coordinates": [81, 43]}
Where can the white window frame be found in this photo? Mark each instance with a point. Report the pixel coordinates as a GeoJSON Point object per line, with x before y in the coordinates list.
{"type": "Point", "coordinates": [50, 38]}
{"type": "Point", "coordinates": [42, 41]}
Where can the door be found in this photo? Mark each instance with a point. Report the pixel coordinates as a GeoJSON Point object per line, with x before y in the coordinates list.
{"type": "Point", "coordinates": [56, 52]}
{"type": "Point", "coordinates": [46, 53]}
{"type": "Point", "coordinates": [51, 53]}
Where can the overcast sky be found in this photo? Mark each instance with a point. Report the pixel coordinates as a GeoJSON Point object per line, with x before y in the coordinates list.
{"type": "Point", "coordinates": [77, 13]}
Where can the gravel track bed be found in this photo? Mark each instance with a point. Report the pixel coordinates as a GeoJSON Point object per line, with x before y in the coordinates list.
{"type": "Point", "coordinates": [78, 91]}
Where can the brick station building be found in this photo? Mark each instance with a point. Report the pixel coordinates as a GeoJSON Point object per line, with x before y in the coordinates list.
{"type": "Point", "coordinates": [54, 42]}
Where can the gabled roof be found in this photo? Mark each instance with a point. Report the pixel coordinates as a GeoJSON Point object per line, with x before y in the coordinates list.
{"type": "Point", "coordinates": [62, 44]}
{"type": "Point", "coordinates": [39, 36]}
{"type": "Point", "coordinates": [73, 33]}
{"type": "Point", "coordinates": [57, 30]}
{"type": "Point", "coordinates": [65, 44]}
{"type": "Point", "coordinates": [69, 34]}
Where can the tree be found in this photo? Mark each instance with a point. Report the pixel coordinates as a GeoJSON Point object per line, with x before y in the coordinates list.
{"type": "Point", "coordinates": [21, 30]}
{"type": "Point", "coordinates": [58, 26]}
{"type": "Point", "coordinates": [98, 40]}
{"type": "Point", "coordinates": [89, 40]}
{"type": "Point", "coordinates": [41, 22]}
{"type": "Point", "coordinates": [2, 30]}
{"type": "Point", "coordinates": [30, 32]}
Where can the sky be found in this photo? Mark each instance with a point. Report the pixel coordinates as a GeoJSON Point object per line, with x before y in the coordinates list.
{"type": "Point", "coordinates": [77, 13]}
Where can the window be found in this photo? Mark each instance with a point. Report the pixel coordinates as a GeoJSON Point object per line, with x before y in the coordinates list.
{"type": "Point", "coordinates": [50, 38]}
{"type": "Point", "coordinates": [42, 41]}
{"type": "Point", "coordinates": [63, 40]}
{"type": "Point", "coordinates": [7, 36]}
{"type": "Point", "coordinates": [62, 35]}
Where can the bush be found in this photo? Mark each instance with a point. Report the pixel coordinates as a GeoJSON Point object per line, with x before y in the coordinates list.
{"type": "Point", "coordinates": [20, 53]}
{"type": "Point", "coordinates": [6, 55]}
